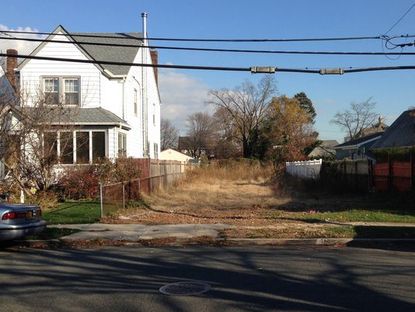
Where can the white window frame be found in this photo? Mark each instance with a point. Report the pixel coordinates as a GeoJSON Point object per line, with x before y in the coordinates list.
{"type": "Point", "coordinates": [124, 135]}
{"type": "Point", "coordinates": [74, 149]}
{"type": "Point", "coordinates": [61, 88]}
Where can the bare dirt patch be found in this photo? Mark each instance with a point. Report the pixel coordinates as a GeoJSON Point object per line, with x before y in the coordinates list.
{"type": "Point", "coordinates": [221, 201]}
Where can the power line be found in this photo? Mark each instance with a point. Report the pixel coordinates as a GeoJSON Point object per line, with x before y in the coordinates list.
{"type": "Point", "coordinates": [61, 59]}
{"type": "Point", "coordinates": [400, 19]}
{"type": "Point", "coordinates": [127, 36]}
{"type": "Point", "coordinates": [199, 49]}
{"type": "Point", "coordinates": [323, 71]}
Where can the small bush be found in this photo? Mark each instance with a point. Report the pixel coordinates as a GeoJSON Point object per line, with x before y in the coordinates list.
{"type": "Point", "coordinates": [45, 199]}
{"type": "Point", "coordinates": [80, 183]}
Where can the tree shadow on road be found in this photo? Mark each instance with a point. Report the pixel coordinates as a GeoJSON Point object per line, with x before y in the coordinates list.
{"type": "Point", "coordinates": [261, 279]}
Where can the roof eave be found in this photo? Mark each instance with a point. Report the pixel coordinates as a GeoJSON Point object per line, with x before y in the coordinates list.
{"type": "Point", "coordinates": [75, 123]}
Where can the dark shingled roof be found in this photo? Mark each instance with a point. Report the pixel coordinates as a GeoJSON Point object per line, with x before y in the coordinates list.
{"type": "Point", "coordinates": [75, 116]}
{"type": "Point", "coordinates": [360, 141]}
{"type": "Point", "coordinates": [102, 53]}
{"type": "Point", "coordinates": [401, 133]}
{"type": "Point", "coordinates": [111, 53]}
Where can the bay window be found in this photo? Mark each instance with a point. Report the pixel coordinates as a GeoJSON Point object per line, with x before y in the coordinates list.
{"type": "Point", "coordinates": [82, 147]}
{"type": "Point", "coordinates": [122, 144]}
{"type": "Point", "coordinates": [66, 147]}
{"type": "Point", "coordinates": [75, 147]}
{"type": "Point", "coordinates": [98, 145]}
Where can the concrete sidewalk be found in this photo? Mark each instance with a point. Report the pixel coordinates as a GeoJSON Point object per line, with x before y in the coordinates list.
{"type": "Point", "coordinates": [185, 233]}
{"type": "Point", "coordinates": [135, 232]}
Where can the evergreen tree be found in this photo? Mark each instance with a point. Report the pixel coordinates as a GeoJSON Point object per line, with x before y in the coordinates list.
{"type": "Point", "coordinates": [307, 105]}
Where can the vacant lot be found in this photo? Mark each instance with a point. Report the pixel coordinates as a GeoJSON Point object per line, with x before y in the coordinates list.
{"type": "Point", "coordinates": [245, 195]}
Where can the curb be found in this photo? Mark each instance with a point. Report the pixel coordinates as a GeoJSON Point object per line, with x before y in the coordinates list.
{"type": "Point", "coordinates": [215, 242]}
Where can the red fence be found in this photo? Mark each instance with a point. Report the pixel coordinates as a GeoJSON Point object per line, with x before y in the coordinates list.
{"type": "Point", "coordinates": [394, 175]}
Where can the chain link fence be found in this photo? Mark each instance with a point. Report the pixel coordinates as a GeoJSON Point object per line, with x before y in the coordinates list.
{"type": "Point", "coordinates": [156, 175]}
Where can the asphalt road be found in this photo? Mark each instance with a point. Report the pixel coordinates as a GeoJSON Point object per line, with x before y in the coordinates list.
{"type": "Point", "coordinates": [241, 279]}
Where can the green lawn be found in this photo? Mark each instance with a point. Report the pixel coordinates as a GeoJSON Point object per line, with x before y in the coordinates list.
{"type": "Point", "coordinates": [352, 215]}
{"type": "Point", "coordinates": [383, 207]}
{"type": "Point", "coordinates": [73, 212]}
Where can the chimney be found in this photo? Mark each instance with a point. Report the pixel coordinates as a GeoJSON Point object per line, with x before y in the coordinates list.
{"type": "Point", "coordinates": [155, 60]}
{"type": "Point", "coordinates": [11, 65]}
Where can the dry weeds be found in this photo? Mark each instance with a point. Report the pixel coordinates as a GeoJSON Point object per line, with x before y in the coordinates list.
{"type": "Point", "coordinates": [237, 193]}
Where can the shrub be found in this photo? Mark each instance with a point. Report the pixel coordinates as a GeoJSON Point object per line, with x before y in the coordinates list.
{"type": "Point", "coordinates": [47, 200]}
{"type": "Point", "coordinates": [80, 182]}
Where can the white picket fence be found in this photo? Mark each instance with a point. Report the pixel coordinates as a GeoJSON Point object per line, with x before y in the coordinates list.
{"type": "Point", "coordinates": [309, 169]}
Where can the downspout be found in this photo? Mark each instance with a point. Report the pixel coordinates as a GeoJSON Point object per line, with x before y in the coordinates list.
{"type": "Point", "coordinates": [144, 111]}
{"type": "Point", "coordinates": [123, 98]}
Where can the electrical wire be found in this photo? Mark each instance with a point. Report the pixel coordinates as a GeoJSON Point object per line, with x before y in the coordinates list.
{"type": "Point", "coordinates": [400, 19]}
{"type": "Point", "coordinates": [199, 49]}
{"type": "Point", "coordinates": [218, 68]}
{"type": "Point", "coordinates": [62, 59]}
{"type": "Point", "coordinates": [129, 36]}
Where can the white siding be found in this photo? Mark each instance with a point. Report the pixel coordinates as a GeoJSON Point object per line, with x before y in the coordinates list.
{"type": "Point", "coordinates": [152, 99]}
{"type": "Point", "coordinates": [112, 143]}
{"type": "Point", "coordinates": [31, 74]}
{"type": "Point", "coordinates": [115, 95]}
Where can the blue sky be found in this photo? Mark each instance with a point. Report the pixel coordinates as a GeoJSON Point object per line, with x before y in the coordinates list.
{"type": "Point", "coordinates": [185, 92]}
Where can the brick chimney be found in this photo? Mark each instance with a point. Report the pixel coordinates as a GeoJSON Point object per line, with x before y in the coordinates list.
{"type": "Point", "coordinates": [155, 60]}
{"type": "Point", "coordinates": [11, 65]}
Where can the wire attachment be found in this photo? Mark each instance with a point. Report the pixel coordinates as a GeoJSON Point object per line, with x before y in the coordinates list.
{"type": "Point", "coordinates": [262, 70]}
{"type": "Point", "coordinates": [331, 71]}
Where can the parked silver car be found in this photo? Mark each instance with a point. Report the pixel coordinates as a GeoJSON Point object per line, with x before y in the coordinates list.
{"type": "Point", "coordinates": [20, 220]}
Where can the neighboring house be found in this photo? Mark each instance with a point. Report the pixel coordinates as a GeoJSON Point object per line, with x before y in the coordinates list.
{"type": "Point", "coordinates": [115, 109]}
{"type": "Point", "coordinates": [400, 135]}
{"type": "Point", "coordinates": [188, 147]}
{"type": "Point", "coordinates": [171, 154]}
{"type": "Point", "coordinates": [324, 150]}
{"type": "Point", "coordinates": [357, 148]}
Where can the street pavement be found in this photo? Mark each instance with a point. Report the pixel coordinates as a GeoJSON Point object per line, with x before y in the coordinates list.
{"type": "Point", "coordinates": [241, 279]}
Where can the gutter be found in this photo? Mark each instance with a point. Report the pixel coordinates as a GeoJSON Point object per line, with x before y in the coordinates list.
{"type": "Point", "coordinates": [110, 75]}
{"type": "Point", "coordinates": [356, 145]}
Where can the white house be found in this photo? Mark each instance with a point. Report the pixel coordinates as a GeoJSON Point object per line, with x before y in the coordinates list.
{"type": "Point", "coordinates": [117, 107]}
{"type": "Point", "coordinates": [171, 154]}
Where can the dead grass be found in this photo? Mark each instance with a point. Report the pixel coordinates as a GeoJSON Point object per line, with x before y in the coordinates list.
{"type": "Point", "coordinates": [237, 193]}
{"type": "Point", "coordinates": [244, 194]}
{"type": "Point", "coordinates": [232, 170]}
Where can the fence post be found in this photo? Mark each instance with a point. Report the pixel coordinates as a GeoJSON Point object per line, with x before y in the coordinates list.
{"type": "Point", "coordinates": [356, 177]}
{"type": "Point", "coordinates": [123, 195]}
{"type": "Point", "coordinates": [390, 174]}
{"type": "Point", "coordinates": [101, 198]}
{"type": "Point", "coordinates": [371, 175]}
{"type": "Point", "coordinates": [411, 160]}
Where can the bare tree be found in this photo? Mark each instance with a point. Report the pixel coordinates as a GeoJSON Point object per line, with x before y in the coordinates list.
{"type": "Point", "coordinates": [29, 140]}
{"type": "Point", "coordinates": [201, 133]}
{"type": "Point", "coordinates": [244, 109]}
{"type": "Point", "coordinates": [169, 135]}
{"type": "Point", "coordinates": [357, 118]}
